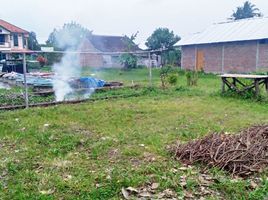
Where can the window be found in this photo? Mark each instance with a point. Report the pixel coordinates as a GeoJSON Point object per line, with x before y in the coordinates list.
{"type": "Point", "coordinates": [16, 40]}
{"type": "Point", "coordinates": [2, 39]}
{"type": "Point", "coordinates": [24, 42]}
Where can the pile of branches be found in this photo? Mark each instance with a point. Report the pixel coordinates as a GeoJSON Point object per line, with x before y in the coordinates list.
{"type": "Point", "coordinates": [239, 154]}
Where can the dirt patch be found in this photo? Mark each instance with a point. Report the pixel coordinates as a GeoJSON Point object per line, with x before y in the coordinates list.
{"type": "Point", "coordinates": [239, 154]}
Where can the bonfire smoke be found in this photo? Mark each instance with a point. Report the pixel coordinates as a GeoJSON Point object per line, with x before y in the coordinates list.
{"type": "Point", "coordinates": [68, 67]}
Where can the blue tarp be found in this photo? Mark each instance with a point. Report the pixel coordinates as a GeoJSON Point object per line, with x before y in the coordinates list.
{"type": "Point", "coordinates": [90, 82]}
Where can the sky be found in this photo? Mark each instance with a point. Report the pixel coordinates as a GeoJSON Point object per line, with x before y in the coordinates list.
{"type": "Point", "coordinates": [121, 17]}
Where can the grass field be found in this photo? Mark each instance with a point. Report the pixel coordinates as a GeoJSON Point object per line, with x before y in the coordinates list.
{"type": "Point", "coordinates": [93, 150]}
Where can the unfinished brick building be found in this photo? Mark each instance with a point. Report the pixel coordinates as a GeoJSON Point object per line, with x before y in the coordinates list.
{"type": "Point", "coordinates": [236, 46]}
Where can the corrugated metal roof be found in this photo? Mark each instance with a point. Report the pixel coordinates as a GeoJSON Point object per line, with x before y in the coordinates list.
{"type": "Point", "coordinates": [240, 30]}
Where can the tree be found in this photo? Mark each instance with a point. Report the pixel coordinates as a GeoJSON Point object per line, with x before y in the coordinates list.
{"type": "Point", "coordinates": [171, 57]}
{"type": "Point", "coordinates": [70, 36]}
{"type": "Point", "coordinates": [33, 42]}
{"type": "Point", "coordinates": [129, 60]}
{"type": "Point", "coordinates": [162, 38]}
{"type": "Point", "coordinates": [248, 10]}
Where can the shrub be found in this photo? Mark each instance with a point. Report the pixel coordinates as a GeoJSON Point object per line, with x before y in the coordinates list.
{"type": "Point", "coordinates": [192, 78]}
{"type": "Point", "coordinates": [173, 79]}
{"type": "Point", "coordinates": [164, 72]}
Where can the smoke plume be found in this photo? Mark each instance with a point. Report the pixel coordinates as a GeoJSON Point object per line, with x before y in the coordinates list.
{"type": "Point", "coordinates": [68, 68]}
{"type": "Point", "coordinates": [68, 38]}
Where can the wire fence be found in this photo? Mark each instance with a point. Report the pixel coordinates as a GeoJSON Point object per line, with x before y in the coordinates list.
{"type": "Point", "coordinates": [44, 77]}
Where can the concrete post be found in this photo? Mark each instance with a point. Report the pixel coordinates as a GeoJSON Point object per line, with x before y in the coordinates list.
{"type": "Point", "coordinates": [25, 82]}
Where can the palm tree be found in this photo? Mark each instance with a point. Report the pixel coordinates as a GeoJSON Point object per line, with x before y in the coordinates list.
{"type": "Point", "coordinates": [248, 10]}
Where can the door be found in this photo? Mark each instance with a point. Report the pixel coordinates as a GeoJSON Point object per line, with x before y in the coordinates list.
{"type": "Point", "coordinates": [200, 60]}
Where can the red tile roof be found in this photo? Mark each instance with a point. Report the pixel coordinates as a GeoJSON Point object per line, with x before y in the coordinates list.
{"type": "Point", "coordinates": [12, 28]}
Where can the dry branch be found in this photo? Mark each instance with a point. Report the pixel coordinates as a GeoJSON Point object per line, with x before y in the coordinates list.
{"type": "Point", "coordinates": [241, 154]}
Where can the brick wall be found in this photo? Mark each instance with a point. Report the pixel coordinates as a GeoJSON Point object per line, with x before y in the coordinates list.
{"type": "Point", "coordinates": [188, 57]}
{"type": "Point", "coordinates": [90, 59]}
{"type": "Point", "coordinates": [263, 58]}
{"type": "Point", "coordinates": [238, 57]}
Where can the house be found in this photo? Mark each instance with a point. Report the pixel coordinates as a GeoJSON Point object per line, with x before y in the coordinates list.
{"type": "Point", "coordinates": [12, 40]}
{"type": "Point", "coordinates": [237, 46]}
{"type": "Point", "coordinates": [106, 51]}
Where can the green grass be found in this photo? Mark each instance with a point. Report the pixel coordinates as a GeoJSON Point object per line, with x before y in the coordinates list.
{"type": "Point", "coordinates": [92, 150]}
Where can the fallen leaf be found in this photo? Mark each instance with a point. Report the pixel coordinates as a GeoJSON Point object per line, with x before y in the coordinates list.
{"type": "Point", "coordinates": [125, 193]}
{"type": "Point", "coordinates": [169, 193]}
{"type": "Point", "coordinates": [145, 194]}
{"type": "Point", "coordinates": [155, 186]}
{"type": "Point", "coordinates": [47, 192]}
{"type": "Point", "coordinates": [204, 181]}
{"type": "Point", "coordinates": [173, 170]}
{"type": "Point", "coordinates": [188, 195]}
{"type": "Point", "coordinates": [67, 177]}
{"type": "Point", "coordinates": [253, 185]}
{"type": "Point", "coordinates": [108, 177]}
{"type": "Point", "coordinates": [133, 190]}
{"type": "Point", "coordinates": [183, 181]}
{"type": "Point", "coordinates": [204, 191]}
{"type": "Point", "coordinates": [183, 168]}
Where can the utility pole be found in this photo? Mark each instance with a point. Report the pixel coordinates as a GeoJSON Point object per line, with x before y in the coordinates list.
{"type": "Point", "coordinates": [25, 82]}
{"type": "Point", "coordinates": [150, 70]}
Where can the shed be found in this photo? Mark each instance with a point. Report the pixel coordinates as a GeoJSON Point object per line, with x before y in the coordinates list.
{"type": "Point", "coordinates": [234, 46]}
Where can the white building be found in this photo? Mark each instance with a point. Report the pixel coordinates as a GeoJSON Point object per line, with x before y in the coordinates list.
{"type": "Point", "coordinates": [12, 40]}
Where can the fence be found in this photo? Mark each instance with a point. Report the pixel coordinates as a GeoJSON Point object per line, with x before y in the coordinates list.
{"type": "Point", "coordinates": [26, 79]}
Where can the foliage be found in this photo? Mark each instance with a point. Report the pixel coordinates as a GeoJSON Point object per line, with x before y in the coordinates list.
{"type": "Point", "coordinates": [33, 42]}
{"type": "Point", "coordinates": [70, 36]}
{"type": "Point", "coordinates": [162, 38]}
{"type": "Point", "coordinates": [164, 73]}
{"type": "Point", "coordinates": [173, 79]}
{"type": "Point", "coordinates": [129, 42]}
{"type": "Point", "coordinates": [53, 58]}
{"type": "Point", "coordinates": [171, 57]}
{"type": "Point", "coordinates": [192, 78]}
{"type": "Point", "coordinates": [42, 60]}
{"type": "Point", "coordinates": [129, 60]}
{"type": "Point", "coordinates": [248, 10]}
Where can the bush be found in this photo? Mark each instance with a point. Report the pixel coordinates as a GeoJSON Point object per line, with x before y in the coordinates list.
{"type": "Point", "coordinates": [164, 72]}
{"type": "Point", "coordinates": [173, 79]}
{"type": "Point", "coordinates": [192, 78]}
{"type": "Point", "coordinates": [168, 74]}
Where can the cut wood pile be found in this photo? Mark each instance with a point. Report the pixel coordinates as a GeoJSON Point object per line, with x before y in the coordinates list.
{"type": "Point", "coordinates": [239, 154]}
